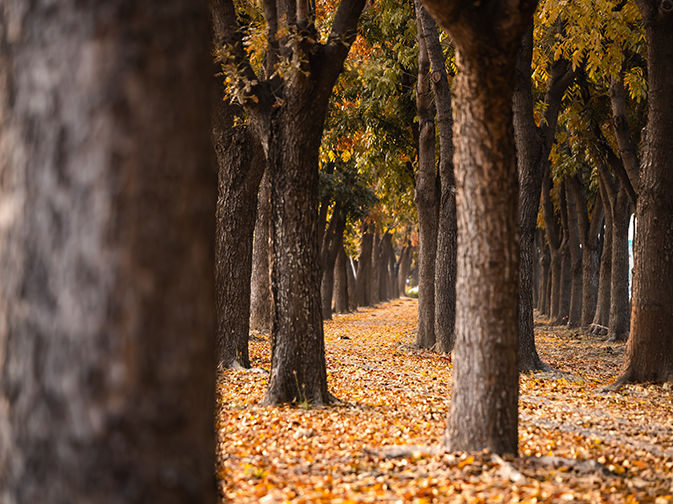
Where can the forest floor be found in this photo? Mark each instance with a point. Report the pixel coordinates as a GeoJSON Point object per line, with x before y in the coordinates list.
{"type": "Point", "coordinates": [576, 443]}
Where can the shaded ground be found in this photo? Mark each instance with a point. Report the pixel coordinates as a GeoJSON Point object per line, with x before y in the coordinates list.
{"type": "Point", "coordinates": [396, 395]}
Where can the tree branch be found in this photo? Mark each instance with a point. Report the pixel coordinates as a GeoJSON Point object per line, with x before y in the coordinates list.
{"type": "Point", "coordinates": [227, 35]}
{"type": "Point", "coordinates": [474, 25]}
{"type": "Point", "coordinates": [341, 37]}
{"type": "Point", "coordinates": [627, 149]}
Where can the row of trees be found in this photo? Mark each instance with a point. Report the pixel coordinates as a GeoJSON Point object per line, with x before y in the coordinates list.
{"type": "Point", "coordinates": [107, 242]}
{"type": "Point", "coordinates": [573, 62]}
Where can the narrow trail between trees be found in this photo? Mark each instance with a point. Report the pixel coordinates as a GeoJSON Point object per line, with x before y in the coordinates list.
{"type": "Point", "coordinates": [575, 444]}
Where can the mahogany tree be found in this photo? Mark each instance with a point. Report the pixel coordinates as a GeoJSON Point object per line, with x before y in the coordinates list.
{"type": "Point", "coordinates": [484, 398]}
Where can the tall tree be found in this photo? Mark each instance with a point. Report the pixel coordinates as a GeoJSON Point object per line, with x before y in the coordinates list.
{"type": "Point", "coordinates": [425, 195]}
{"type": "Point", "coordinates": [574, 245]}
{"type": "Point", "coordinates": [484, 398]}
{"type": "Point", "coordinates": [556, 246]}
{"type": "Point", "coordinates": [260, 288]}
{"type": "Point", "coordinates": [447, 227]}
{"type": "Point", "coordinates": [534, 144]}
{"type": "Point", "coordinates": [364, 273]}
{"type": "Point", "coordinates": [619, 283]}
{"type": "Point", "coordinates": [106, 251]}
{"type": "Point", "coordinates": [240, 165]}
{"type": "Point", "coordinates": [341, 298]}
{"type": "Point", "coordinates": [601, 318]}
{"type": "Point", "coordinates": [286, 100]}
{"type": "Point", "coordinates": [649, 353]}
{"type": "Point", "coordinates": [588, 227]}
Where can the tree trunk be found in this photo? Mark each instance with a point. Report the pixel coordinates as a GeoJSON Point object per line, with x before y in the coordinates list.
{"type": "Point", "coordinates": [484, 398]}
{"type": "Point", "coordinates": [590, 257]}
{"type": "Point", "coordinates": [106, 253]}
{"type": "Point", "coordinates": [341, 280]}
{"type": "Point", "coordinates": [375, 271]}
{"type": "Point", "coordinates": [330, 249]}
{"type": "Point", "coordinates": [545, 285]}
{"type": "Point", "coordinates": [619, 284]}
{"type": "Point", "coordinates": [602, 316]}
{"type": "Point", "coordinates": [241, 165]}
{"type": "Point", "coordinates": [649, 352]}
{"type": "Point", "coordinates": [533, 146]}
{"type": "Point", "coordinates": [565, 285]}
{"type": "Point", "coordinates": [385, 260]}
{"type": "Point", "coordinates": [362, 288]}
{"type": "Point", "coordinates": [288, 113]}
{"type": "Point", "coordinates": [426, 198]}
{"type": "Point", "coordinates": [575, 313]}
{"type": "Point", "coordinates": [555, 246]}
{"type": "Point", "coordinates": [260, 296]}
{"type": "Point", "coordinates": [447, 226]}
{"type": "Point", "coordinates": [537, 263]}
{"type": "Point", "coordinates": [350, 277]}
{"type": "Point", "coordinates": [297, 341]}
{"type": "Point", "coordinates": [403, 268]}
{"type": "Point", "coordinates": [394, 272]}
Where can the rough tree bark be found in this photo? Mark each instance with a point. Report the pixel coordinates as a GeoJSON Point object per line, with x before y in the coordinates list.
{"type": "Point", "coordinates": [545, 284]}
{"type": "Point", "coordinates": [260, 290]}
{"type": "Point", "coordinates": [240, 168]}
{"type": "Point", "coordinates": [403, 268]}
{"type": "Point", "coordinates": [341, 280]}
{"type": "Point", "coordinates": [484, 398]}
{"type": "Point", "coordinates": [364, 274]}
{"type": "Point", "coordinates": [288, 114]}
{"type": "Point", "coordinates": [618, 327]}
{"type": "Point", "coordinates": [394, 271]}
{"type": "Point", "coordinates": [565, 286]}
{"type": "Point", "coordinates": [555, 248]}
{"type": "Point", "coordinates": [350, 277]}
{"type": "Point", "coordinates": [537, 265]}
{"type": "Point", "coordinates": [649, 352]}
{"type": "Point", "coordinates": [601, 319]}
{"type": "Point", "coordinates": [375, 270]}
{"type": "Point", "coordinates": [447, 226]}
{"type": "Point", "coordinates": [385, 271]}
{"type": "Point", "coordinates": [575, 312]}
{"type": "Point", "coordinates": [533, 146]}
{"type": "Point", "coordinates": [425, 196]}
{"type": "Point", "coordinates": [107, 253]}
{"type": "Point", "coordinates": [332, 242]}
{"type": "Point", "coordinates": [588, 228]}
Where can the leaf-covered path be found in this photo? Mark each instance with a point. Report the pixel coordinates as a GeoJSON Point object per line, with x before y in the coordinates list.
{"type": "Point", "coordinates": [574, 443]}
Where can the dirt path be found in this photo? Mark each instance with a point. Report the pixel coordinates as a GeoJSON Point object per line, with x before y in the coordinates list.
{"type": "Point", "coordinates": [396, 395]}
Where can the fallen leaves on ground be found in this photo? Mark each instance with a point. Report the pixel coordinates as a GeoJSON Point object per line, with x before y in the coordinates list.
{"type": "Point", "coordinates": [576, 443]}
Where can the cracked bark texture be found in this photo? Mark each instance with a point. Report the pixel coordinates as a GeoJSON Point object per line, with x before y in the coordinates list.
{"type": "Point", "coordinates": [575, 312]}
{"type": "Point", "coordinates": [425, 196]}
{"type": "Point", "coordinates": [649, 351]}
{"type": "Point", "coordinates": [287, 113]}
{"type": "Point", "coordinates": [260, 289]}
{"type": "Point", "coordinates": [484, 398]}
{"type": "Point", "coordinates": [107, 350]}
{"type": "Point", "coordinates": [588, 229]}
{"type": "Point", "coordinates": [533, 146]}
{"type": "Point", "coordinates": [447, 226]}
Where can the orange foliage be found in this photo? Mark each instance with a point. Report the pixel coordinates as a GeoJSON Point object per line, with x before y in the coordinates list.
{"type": "Point", "coordinates": [394, 394]}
